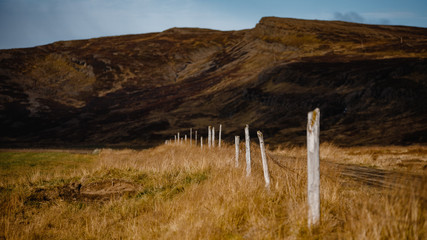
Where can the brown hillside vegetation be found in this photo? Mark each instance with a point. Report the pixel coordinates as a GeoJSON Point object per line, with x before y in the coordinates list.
{"type": "Point", "coordinates": [181, 191]}
{"type": "Point", "coordinates": [369, 82]}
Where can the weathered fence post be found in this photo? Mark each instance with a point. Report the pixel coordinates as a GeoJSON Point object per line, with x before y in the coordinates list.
{"type": "Point", "coordinates": [201, 142]}
{"type": "Point", "coordinates": [219, 138]}
{"type": "Point", "coordinates": [209, 136]}
{"type": "Point", "coordinates": [248, 151]}
{"type": "Point", "coordinates": [237, 143]}
{"type": "Point", "coordinates": [213, 136]}
{"type": "Point", "coordinates": [195, 137]}
{"type": "Point", "coordinates": [264, 159]}
{"type": "Point", "coordinates": [185, 139]}
{"type": "Point", "coordinates": [191, 136]}
{"type": "Point", "coordinates": [313, 183]}
{"type": "Point", "coordinates": [179, 139]}
{"type": "Point", "coordinates": [175, 139]}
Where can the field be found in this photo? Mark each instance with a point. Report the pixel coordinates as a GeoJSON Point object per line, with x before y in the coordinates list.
{"type": "Point", "coordinates": [183, 192]}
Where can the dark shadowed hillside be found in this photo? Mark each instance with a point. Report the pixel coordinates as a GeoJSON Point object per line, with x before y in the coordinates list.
{"type": "Point", "coordinates": [369, 81]}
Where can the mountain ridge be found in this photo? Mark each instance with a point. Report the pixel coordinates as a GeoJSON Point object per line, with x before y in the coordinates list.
{"type": "Point", "coordinates": [139, 89]}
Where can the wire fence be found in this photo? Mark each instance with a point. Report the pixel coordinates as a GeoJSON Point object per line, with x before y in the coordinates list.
{"type": "Point", "coordinates": [337, 172]}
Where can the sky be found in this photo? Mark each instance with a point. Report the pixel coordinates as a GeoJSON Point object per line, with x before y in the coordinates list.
{"type": "Point", "coordinates": [28, 23]}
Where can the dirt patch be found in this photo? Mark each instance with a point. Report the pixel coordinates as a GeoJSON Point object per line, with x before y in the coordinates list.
{"type": "Point", "coordinates": [95, 191]}
{"type": "Point", "coordinates": [107, 189]}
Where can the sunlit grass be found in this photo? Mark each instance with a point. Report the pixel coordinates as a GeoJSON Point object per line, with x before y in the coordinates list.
{"type": "Point", "coordinates": [183, 192]}
{"type": "Point", "coordinates": [15, 165]}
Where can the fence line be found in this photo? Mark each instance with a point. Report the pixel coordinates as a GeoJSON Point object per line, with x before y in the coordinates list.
{"type": "Point", "coordinates": [313, 161]}
{"type": "Point", "coordinates": [313, 170]}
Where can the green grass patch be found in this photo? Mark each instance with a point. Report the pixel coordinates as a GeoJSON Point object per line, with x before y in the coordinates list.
{"type": "Point", "coordinates": [169, 185]}
{"type": "Point", "coordinates": [20, 163]}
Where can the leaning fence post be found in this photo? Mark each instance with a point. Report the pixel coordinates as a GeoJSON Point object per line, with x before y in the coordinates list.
{"type": "Point", "coordinates": [237, 143]}
{"type": "Point", "coordinates": [248, 151]}
{"type": "Point", "coordinates": [191, 136]}
{"type": "Point", "coordinates": [219, 138]}
{"type": "Point", "coordinates": [264, 159]}
{"type": "Point", "coordinates": [209, 136]}
{"type": "Point", "coordinates": [313, 178]}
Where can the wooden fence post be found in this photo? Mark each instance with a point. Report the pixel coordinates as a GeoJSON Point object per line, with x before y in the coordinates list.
{"type": "Point", "coordinates": [195, 137]}
{"type": "Point", "coordinates": [213, 136]}
{"type": "Point", "coordinates": [248, 151]}
{"type": "Point", "coordinates": [313, 175]}
{"type": "Point", "coordinates": [201, 142]}
{"type": "Point", "coordinates": [175, 139]}
{"type": "Point", "coordinates": [237, 143]}
{"type": "Point", "coordinates": [191, 136]}
{"type": "Point", "coordinates": [264, 160]}
{"type": "Point", "coordinates": [185, 139]}
{"type": "Point", "coordinates": [219, 139]}
{"type": "Point", "coordinates": [209, 136]}
{"type": "Point", "coordinates": [179, 139]}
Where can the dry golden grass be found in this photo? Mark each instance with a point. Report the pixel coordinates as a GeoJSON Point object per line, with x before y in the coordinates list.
{"type": "Point", "coordinates": [183, 192]}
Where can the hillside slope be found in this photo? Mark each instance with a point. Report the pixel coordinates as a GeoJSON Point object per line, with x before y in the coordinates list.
{"type": "Point", "coordinates": [369, 81]}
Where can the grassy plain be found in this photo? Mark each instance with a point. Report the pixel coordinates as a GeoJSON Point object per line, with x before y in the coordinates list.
{"type": "Point", "coordinates": [183, 192]}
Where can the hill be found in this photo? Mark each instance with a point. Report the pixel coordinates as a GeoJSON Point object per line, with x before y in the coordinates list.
{"type": "Point", "coordinates": [369, 82]}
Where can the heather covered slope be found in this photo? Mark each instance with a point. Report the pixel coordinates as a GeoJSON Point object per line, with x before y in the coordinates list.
{"type": "Point", "coordinates": [369, 82]}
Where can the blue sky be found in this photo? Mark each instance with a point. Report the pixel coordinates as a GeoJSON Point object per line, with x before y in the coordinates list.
{"type": "Point", "coordinates": [27, 23]}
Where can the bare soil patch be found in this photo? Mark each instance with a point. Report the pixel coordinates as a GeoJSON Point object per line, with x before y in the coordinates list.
{"type": "Point", "coordinates": [94, 191]}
